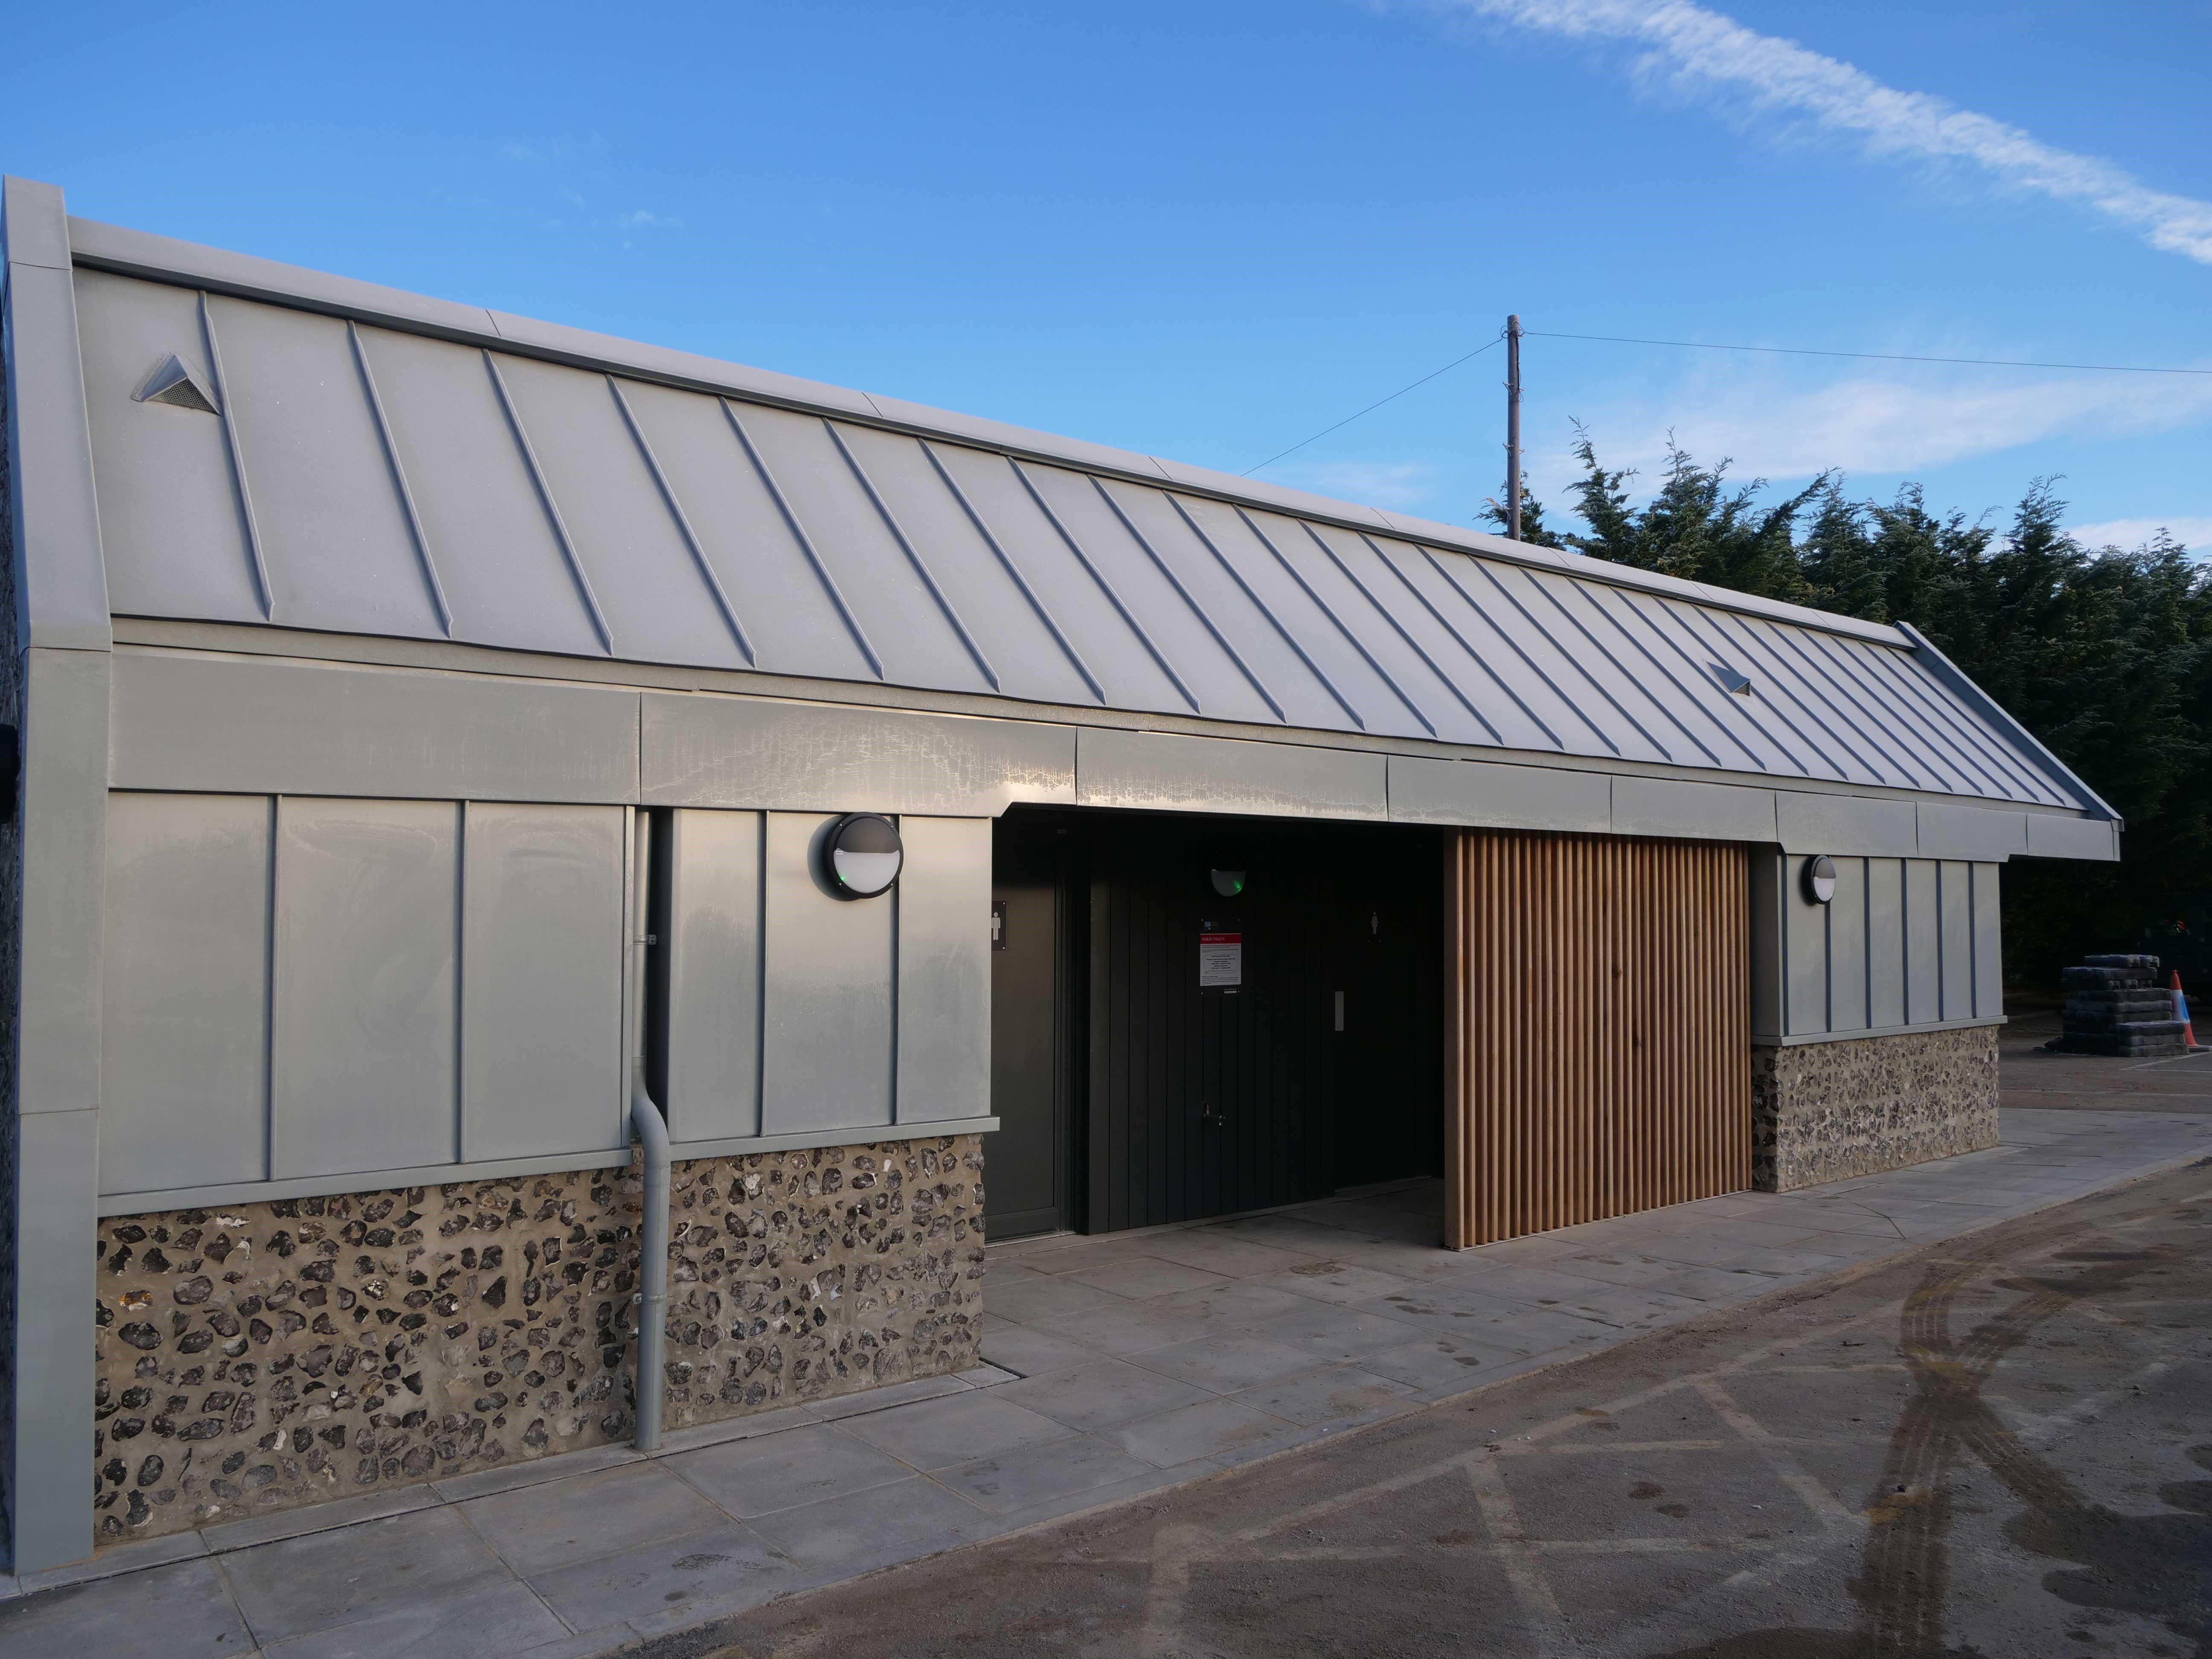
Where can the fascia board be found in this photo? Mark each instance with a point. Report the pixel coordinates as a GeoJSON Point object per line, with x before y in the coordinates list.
{"type": "Point", "coordinates": [161, 259]}
{"type": "Point", "coordinates": [1950, 673]}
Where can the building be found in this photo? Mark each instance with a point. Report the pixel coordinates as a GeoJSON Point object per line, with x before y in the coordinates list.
{"type": "Point", "coordinates": [454, 746]}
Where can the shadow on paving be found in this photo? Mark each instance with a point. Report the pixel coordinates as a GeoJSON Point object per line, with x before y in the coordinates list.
{"type": "Point", "coordinates": [1995, 1446]}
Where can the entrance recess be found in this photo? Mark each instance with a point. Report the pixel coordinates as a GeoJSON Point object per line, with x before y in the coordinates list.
{"type": "Point", "coordinates": [1196, 1016]}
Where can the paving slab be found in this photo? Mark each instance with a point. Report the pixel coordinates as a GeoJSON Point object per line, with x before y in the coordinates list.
{"type": "Point", "coordinates": [538, 1528]}
{"type": "Point", "coordinates": [332, 1579]}
{"type": "Point", "coordinates": [500, 1618]}
{"type": "Point", "coordinates": [1191, 1434]}
{"type": "Point", "coordinates": [752, 1478]}
{"type": "Point", "coordinates": [181, 1611]}
{"type": "Point", "coordinates": [1102, 1393]}
{"type": "Point", "coordinates": [867, 1531]}
{"type": "Point", "coordinates": [1034, 1475]}
{"type": "Point", "coordinates": [935, 1434]}
{"type": "Point", "coordinates": [713, 1569]}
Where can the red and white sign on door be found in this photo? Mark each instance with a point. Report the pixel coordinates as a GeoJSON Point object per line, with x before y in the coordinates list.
{"type": "Point", "coordinates": [1220, 959]}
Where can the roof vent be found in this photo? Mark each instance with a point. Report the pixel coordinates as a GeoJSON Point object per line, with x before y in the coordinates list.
{"type": "Point", "coordinates": [173, 384]}
{"type": "Point", "coordinates": [1730, 680]}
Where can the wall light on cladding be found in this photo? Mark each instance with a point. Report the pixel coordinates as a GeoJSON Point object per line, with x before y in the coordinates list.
{"type": "Point", "coordinates": [269, 1356]}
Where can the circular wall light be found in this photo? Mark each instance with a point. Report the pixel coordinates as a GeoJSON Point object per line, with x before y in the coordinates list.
{"type": "Point", "coordinates": [1227, 882]}
{"type": "Point", "coordinates": [1819, 878]}
{"type": "Point", "coordinates": [862, 855]}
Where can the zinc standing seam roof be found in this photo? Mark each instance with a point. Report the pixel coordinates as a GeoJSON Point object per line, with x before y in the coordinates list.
{"type": "Point", "coordinates": [375, 473]}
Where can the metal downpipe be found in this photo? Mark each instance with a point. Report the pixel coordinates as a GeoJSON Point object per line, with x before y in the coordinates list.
{"type": "Point", "coordinates": [651, 1131]}
{"type": "Point", "coordinates": [653, 1266]}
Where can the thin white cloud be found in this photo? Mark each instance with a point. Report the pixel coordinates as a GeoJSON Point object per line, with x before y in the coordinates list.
{"type": "Point", "coordinates": [1702, 54]}
{"type": "Point", "coordinates": [1872, 426]}
{"type": "Point", "coordinates": [2193, 534]}
{"type": "Point", "coordinates": [645, 219]}
{"type": "Point", "coordinates": [1405, 485]}
{"type": "Point", "coordinates": [516, 152]}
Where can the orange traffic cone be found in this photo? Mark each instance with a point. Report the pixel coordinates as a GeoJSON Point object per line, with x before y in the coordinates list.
{"type": "Point", "coordinates": [2181, 1012]}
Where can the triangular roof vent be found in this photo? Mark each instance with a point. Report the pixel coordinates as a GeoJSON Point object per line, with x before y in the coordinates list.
{"type": "Point", "coordinates": [173, 384]}
{"type": "Point", "coordinates": [1730, 680]}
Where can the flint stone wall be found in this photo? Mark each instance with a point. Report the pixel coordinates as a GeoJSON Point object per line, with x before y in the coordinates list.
{"type": "Point", "coordinates": [1827, 1111]}
{"type": "Point", "coordinates": [261, 1357]}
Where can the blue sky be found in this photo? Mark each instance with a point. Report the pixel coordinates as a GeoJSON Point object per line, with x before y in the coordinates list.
{"type": "Point", "coordinates": [1207, 230]}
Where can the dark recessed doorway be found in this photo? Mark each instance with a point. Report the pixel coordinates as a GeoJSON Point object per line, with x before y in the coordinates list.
{"type": "Point", "coordinates": [1198, 1016]}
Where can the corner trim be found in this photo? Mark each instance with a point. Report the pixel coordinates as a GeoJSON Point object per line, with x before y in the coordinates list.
{"type": "Point", "coordinates": [1806, 1037]}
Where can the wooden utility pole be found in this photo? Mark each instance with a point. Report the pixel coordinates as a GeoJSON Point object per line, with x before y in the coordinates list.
{"type": "Point", "coordinates": [1513, 426]}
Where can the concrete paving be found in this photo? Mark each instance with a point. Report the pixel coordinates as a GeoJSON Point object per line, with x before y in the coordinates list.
{"type": "Point", "coordinates": [1121, 1367]}
{"type": "Point", "coordinates": [1995, 1446]}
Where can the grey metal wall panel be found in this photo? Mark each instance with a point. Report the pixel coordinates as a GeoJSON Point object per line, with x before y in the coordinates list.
{"type": "Point", "coordinates": [332, 523]}
{"type": "Point", "coordinates": [1699, 812]}
{"type": "Point", "coordinates": [714, 975]}
{"type": "Point", "coordinates": [1970, 832]}
{"type": "Point", "coordinates": [53, 501]}
{"type": "Point", "coordinates": [1476, 793]}
{"type": "Point", "coordinates": [944, 899]}
{"type": "Point", "coordinates": [1768, 873]}
{"type": "Point", "coordinates": [1848, 948]}
{"type": "Point", "coordinates": [64, 808]}
{"type": "Point", "coordinates": [496, 549]}
{"type": "Point", "coordinates": [1805, 954]}
{"type": "Point", "coordinates": [169, 523]}
{"type": "Point", "coordinates": [1955, 906]}
{"type": "Point", "coordinates": [1989, 942]}
{"type": "Point", "coordinates": [542, 956]}
{"type": "Point", "coordinates": [643, 574]}
{"type": "Point", "coordinates": [2072, 838]}
{"type": "Point", "coordinates": [56, 1286]}
{"type": "Point", "coordinates": [1885, 910]}
{"type": "Point", "coordinates": [269, 728]}
{"type": "Point", "coordinates": [1856, 824]}
{"type": "Point", "coordinates": [826, 1021]}
{"type": "Point", "coordinates": [699, 751]}
{"type": "Point", "coordinates": [1923, 943]}
{"type": "Point", "coordinates": [1167, 773]}
{"type": "Point", "coordinates": [185, 1015]}
{"type": "Point", "coordinates": [367, 919]}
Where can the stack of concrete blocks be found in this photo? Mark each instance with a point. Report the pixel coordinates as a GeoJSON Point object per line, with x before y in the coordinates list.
{"type": "Point", "coordinates": [2115, 1006]}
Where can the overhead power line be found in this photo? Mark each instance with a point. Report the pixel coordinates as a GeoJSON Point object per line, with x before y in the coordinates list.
{"type": "Point", "coordinates": [1376, 405]}
{"type": "Point", "coordinates": [1708, 345]}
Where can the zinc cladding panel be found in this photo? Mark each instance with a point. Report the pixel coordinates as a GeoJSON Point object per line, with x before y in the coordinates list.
{"type": "Point", "coordinates": [1166, 771]}
{"type": "Point", "coordinates": [1923, 943]}
{"type": "Point", "coordinates": [713, 976]}
{"type": "Point", "coordinates": [183, 1050]}
{"type": "Point", "coordinates": [1955, 906]}
{"type": "Point", "coordinates": [1805, 954]}
{"type": "Point", "coordinates": [367, 932]}
{"type": "Point", "coordinates": [658, 603]}
{"type": "Point", "coordinates": [1847, 948]}
{"type": "Point", "coordinates": [542, 958]}
{"type": "Point", "coordinates": [1885, 910]}
{"type": "Point", "coordinates": [944, 899]}
{"type": "Point", "coordinates": [169, 523]}
{"type": "Point", "coordinates": [826, 1007]}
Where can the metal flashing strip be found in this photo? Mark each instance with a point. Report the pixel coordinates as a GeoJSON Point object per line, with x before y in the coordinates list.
{"type": "Point", "coordinates": [1803, 1038]}
{"type": "Point", "coordinates": [163, 259]}
{"type": "Point", "coordinates": [367, 1181]}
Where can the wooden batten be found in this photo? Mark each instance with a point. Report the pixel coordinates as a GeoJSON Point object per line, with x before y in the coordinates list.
{"type": "Point", "coordinates": [1598, 1043]}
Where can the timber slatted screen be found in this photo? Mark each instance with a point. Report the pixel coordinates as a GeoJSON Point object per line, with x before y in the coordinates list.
{"type": "Point", "coordinates": [1600, 1034]}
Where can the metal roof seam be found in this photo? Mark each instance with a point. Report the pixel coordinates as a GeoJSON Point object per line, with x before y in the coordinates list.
{"type": "Point", "coordinates": [552, 507]}
{"type": "Point", "coordinates": [1643, 691]}
{"type": "Point", "coordinates": [1013, 571]}
{"type": "Point", "coordinates": [683, 523]}
{"type": "Point", "coordinates": [1249, 592]}
{"type": "Point", "coordinates": [1380, 610]}
{"type": "Point", "coordinates": [100, 246]}
{"type": "Point", "coordinates": [1994, 766]}
{"type": "Point", "coordinates": [1490, 576]}
{"type": "Point", "coordinates": [1749, 712]}
{"type": "Point", "coordinates": [226, 408]}
{"type": "Point", "coordinates": [1691, 619]}
{"type": "Point", "coordinates": [805, 541]}
{"type": "Point", "coordinates": [1465, 644]}
{"type": "Point", "coordinates": [1580, 590]}
{"type": "Point", "coordinates": [1329, 610]}
{"type": "Point", "coordinates": [1867, 728]}
{"type": "Point", "coordinates": [1798, 686]}
{"type": "Point", "coordinates": [399, 478]}
{"type": "Point", "coordinates": [1113, 597]}
{"type": "Point", "coordinates": [1945, 669]}
{"type": "Point", "coordinates": [912, 553]}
